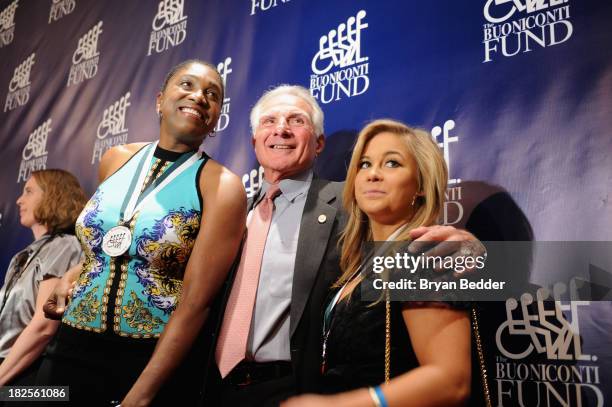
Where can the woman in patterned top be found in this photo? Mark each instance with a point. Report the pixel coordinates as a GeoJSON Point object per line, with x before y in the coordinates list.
{"type": "Point", "coordinates": [159, 235]}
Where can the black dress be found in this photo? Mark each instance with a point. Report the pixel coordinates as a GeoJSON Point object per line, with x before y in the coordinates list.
{"type": "Point", "coordinates": [355, 347]}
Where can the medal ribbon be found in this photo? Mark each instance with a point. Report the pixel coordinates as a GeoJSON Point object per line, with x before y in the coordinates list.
{"type": "Point", "coordinates": [133, 199]}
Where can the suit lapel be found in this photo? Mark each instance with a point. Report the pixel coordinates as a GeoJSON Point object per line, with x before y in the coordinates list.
{"type": "Point", "coordinates": [315, 229]}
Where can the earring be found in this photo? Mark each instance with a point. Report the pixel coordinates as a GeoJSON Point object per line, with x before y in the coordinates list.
{"type": "Point", "coordinates": [212, 133]}
{"type": "Point", "coordinates": [413, 200]}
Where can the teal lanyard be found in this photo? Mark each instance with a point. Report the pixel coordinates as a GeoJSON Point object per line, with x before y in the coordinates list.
{"type": "Point", "coordinates": [132, 188]}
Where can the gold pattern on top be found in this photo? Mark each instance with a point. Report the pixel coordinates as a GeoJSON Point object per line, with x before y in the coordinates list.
{"type": "Point", "coordinates": [138, 316]}
{"type": "Point", "coordinates": [87, 309]}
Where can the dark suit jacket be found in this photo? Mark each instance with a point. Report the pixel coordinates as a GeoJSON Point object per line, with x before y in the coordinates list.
{"type": "Point", "coordinates": [316, 269]}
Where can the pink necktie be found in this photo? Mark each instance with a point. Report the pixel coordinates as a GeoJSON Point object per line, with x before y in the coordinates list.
{"type": "Point", "coordinates": [232, 344]}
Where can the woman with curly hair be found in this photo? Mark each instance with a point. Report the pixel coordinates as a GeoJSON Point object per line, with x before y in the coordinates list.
{"type": "Point", "coordinates": [50, 203]}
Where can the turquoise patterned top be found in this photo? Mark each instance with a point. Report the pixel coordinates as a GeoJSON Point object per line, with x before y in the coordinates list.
{"type": "Point", "coordinates": [135, 293]}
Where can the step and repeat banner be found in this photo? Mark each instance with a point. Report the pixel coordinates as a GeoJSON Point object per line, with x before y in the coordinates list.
{"type": "Point", "coordinates": [517, 93]}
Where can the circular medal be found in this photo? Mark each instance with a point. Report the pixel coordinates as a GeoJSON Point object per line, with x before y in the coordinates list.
{"type": "Point", "coordinates": [116, 241]}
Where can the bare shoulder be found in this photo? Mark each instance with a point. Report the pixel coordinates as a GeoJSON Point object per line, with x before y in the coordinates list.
{"type": "Point", "coordinates": [219, 182]}
{"type": "Point", "coordinates": [115, 157]}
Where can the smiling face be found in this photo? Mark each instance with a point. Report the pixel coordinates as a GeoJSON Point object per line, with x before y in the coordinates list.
{"type": "Point", "coordinates": [387, 180]}
{"type": "Point", "coordinates": [29, 201]}
{"type": "Point", "coordinates": [189, 106]}
{"type": "Point", "coordinates": [284, 140]}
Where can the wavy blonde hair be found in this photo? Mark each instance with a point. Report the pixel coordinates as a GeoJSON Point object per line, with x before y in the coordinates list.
{"type": "Point", "coordinates": [62, 202]}
{"type": "Point", "coordinates": [432, 176]}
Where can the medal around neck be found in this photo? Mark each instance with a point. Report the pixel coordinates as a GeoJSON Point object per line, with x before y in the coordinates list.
{"type": "Point", "coordinates": [117, 241]}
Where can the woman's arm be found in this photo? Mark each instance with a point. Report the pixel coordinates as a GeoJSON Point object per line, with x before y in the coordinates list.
{"type": "Point", "coordinates": [441, 341]}
{"type": "Point", "coordinates": [221, 231]}
{"type": "Point", "coordinates": [33, 339]}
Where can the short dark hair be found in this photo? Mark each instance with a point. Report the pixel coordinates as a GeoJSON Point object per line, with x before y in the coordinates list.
{"type": "Point", "coordinates": [188, 62]}
{"type": "Point", "coordinates": [62, 202]}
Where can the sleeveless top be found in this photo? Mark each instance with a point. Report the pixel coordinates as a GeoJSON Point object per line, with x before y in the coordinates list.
{"type": "Point", "coordinates": [134, 294]}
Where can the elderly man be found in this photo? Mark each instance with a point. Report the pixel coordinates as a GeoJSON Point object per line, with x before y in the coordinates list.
{"type": "Point", "coordinates": [269, 340]}
{"type": "Point", "coordinates": [269, 330]}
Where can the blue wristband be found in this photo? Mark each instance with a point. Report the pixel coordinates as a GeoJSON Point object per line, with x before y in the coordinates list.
{"type": "Point", "coordinates": [381, 396]}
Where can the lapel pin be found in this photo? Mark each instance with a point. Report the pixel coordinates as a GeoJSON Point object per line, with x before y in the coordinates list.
{"type": "Point", "coordinates": [322, 218]}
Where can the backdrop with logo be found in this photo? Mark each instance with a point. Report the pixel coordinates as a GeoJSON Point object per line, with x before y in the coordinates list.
{"type": "Point", "coordinates": [518, 94]}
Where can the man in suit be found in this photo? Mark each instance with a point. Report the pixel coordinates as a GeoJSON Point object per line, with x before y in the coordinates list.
{"type": "Point", "coordinates": [269, 339]}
